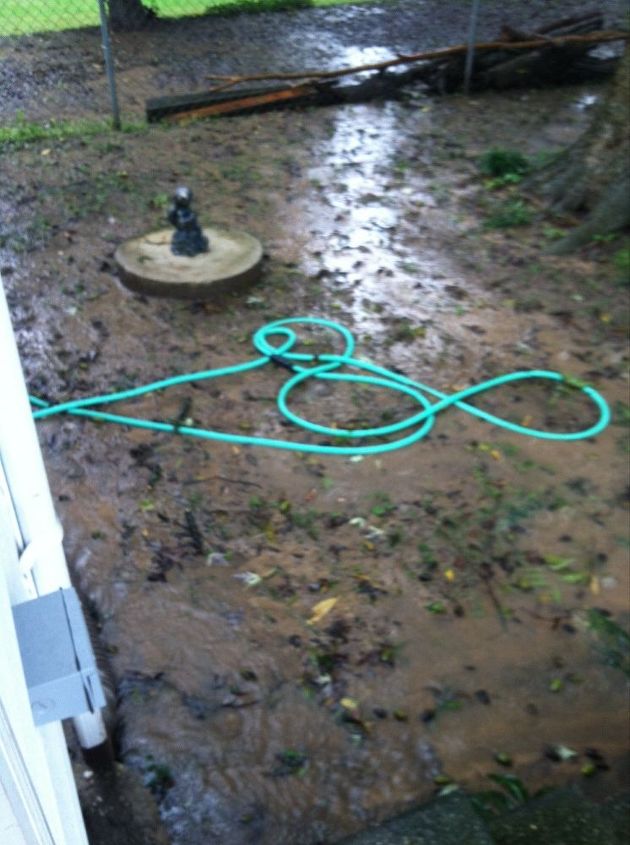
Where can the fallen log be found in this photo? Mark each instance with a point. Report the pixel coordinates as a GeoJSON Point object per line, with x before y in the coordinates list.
{"type": "Point", "coordinates": [208, 104]}
{"type": "Point", "coordinates": [552, 57]}
{"type": "Point", "coordinates": [248, 100]}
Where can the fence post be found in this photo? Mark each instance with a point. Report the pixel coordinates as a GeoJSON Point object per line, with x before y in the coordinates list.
{"type": "Point", "coordinates": [472, 38]}
{"type": "Point", "coordinates": [109, 63]}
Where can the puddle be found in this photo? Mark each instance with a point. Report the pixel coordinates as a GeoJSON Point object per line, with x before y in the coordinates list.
{"type": "Point", "coordinates": [586, 101]}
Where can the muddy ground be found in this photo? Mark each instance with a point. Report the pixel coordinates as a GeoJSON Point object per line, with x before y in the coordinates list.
{"type": "Point", "coordinates": [464, 569]}
{"type": "Point", "coordinates": [62, 74]}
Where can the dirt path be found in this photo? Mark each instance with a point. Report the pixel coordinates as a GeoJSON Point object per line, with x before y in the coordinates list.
{"type": "Point", "coordinates": [465, 570]}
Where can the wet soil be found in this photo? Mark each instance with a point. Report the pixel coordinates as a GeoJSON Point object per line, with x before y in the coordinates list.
{"type": "Point", "coordinates": [460, 575]}
{"type": "Point", "coordinates": [62, 74]}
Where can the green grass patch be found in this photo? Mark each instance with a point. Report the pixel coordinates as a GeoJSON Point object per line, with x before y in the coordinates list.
{"type": "Point", "coordinates": [506, 215]}
{"type": "Point", "coordinates": [500, 162]}
{"type": "Point", "coordinates": [22, 17]}
{"type": "Point", "coordinates": [22, 132]}
{"type": "Point", "coordinates": [505, 167]}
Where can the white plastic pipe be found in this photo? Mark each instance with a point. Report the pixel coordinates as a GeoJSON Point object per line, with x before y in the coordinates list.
{"type": "Point", "coordinates": [42, 554]}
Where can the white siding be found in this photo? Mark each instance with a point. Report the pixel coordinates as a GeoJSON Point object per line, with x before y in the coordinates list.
{"type": "Point", "coordinates": [9, 828]}
{"type": "Point", "coordinates": [35, 772]}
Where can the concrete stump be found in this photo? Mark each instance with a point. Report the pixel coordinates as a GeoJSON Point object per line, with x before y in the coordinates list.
{"type": "Point", "coordinates": [148, 266]}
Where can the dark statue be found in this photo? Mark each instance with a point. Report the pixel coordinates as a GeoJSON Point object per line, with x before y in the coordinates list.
{"type": "Point", "coordinates": [188, 238]}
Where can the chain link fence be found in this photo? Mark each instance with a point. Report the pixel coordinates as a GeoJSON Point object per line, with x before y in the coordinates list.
{"type": "Point", "coordinates": [64, 59]}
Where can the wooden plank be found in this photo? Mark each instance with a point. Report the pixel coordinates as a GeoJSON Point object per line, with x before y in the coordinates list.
{"type": "Point", "coordinates": [246, 103]}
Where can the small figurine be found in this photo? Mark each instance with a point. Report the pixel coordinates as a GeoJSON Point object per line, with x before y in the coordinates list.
{"type": "Point", "coordinates": [188, 238]}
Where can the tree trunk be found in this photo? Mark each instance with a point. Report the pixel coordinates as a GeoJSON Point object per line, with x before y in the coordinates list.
{"type": "Point", "coordinates": [128, 14]}
{"type": "Point", "coordinates": [592, 176]}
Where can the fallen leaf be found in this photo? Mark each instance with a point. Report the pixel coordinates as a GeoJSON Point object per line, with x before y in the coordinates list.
{"type": "Point", "coordinates": [564, 753]}
{"type": "Point", "coordinates": [321, 609]}
{"type": "Point", "coordinates": [250, 579]}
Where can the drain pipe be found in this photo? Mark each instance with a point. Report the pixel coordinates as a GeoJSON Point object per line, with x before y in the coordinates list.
{"type": "Point", "coordinates": [43, 567]}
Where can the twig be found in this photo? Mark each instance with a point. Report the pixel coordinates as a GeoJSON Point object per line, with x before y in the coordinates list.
{"type": "Point", "coordinates": [487, 575]}
{"type": "Point", "coordinates": [430, 55]}
{"type": "Point", "coordinates": [222, 478]}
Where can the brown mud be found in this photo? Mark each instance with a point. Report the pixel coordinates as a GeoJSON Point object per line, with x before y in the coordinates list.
{"type": "Point", "coordinates": [462, 569]}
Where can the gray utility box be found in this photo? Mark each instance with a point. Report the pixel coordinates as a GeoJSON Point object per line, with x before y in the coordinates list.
{"type": "Point", "coordinates": [59, 664]}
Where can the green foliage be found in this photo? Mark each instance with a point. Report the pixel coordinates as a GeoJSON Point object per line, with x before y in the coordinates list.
{"type": "Point", "coordinates": [501, 162]}
{"type": "Point", "coordinates": [553, 233]}
{"type": "Point", "coordinates": [289, 762]}
{"type": "Point", "coordinates": [383, 505]}
{"type": "Point", "coordinates": [621, 414]}
{"type": "Point", "coordinates": [159, 778]}
{"type": "Point", "coordinates": [506, 215]}
{"type": "Point", "coordinates": [504, 166]}
{"type": "Point", "coordinates": [614, 641]}
{"type": "Point", "coordinates": [406, 332]}
{"type": "Point", "coordinates": [621, 260]}
{"type": "Point", "coordinates": [493, 802]}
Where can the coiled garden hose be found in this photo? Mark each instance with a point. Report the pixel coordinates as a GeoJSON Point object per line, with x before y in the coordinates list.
{"type": "Point", "coordinates": [275, 343]}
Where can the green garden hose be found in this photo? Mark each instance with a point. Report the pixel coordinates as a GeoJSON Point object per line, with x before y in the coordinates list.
{"type": "Point", "coordinates": [275, 343]}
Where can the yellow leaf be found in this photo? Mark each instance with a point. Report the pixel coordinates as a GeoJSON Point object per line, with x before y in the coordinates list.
{"type": "Point", "coordinates": [321, 609]}
{"type": "Point", "coordinates": [605, 318]}
{"type": "Point", "coordinates": [494, 453]}
{"type": "Point", "coordinates": [595, 590]}
{"type": "Point", "coordinates": [349, 703]}
{"type": "Point", "coordinates": [449, 575]}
